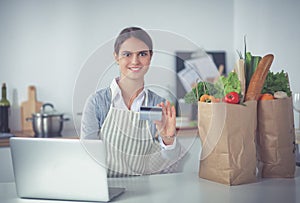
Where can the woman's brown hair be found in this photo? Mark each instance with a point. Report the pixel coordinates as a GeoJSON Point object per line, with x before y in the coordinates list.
{"type": "Point", "coordinates": [135, 32]}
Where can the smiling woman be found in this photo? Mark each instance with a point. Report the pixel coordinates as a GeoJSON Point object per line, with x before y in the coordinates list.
{"type": "Point", "coordinates": [134, 60]}
{"type": "Point", "coordinates": [133, 52]}
{"type": "Point", "coordinates": [134, 146]}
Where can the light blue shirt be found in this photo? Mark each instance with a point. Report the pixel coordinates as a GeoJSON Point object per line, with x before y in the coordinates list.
{"type": "Point", "coordinates": [95, 112]}
{"type": "Point", "coordinates": [98, 104]}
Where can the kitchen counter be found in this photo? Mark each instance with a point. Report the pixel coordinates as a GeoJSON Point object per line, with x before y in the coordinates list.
{"type": "Point", "coordinates": [187, 131]}
{"type": "Point", "coordinates": [4, 142]}
{"type": "Point", "coordinates": [187, 187]}
{"type": "Point", "coordinates": [190, 143]}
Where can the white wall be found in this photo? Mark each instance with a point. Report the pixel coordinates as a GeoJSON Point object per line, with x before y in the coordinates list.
{"type": "Point", "coordinates": [271, 26]}
{"type": "Point", "coordinates": [47, 42]}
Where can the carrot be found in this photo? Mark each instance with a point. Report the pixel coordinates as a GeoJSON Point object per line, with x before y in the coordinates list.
{"type": "Point", "coordinates": [259, 77]}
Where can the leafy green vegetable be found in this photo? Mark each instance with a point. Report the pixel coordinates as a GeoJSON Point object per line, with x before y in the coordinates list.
{"type": "Point", "coordinates": [190, 97]}
{"type": "Point", "coordinates": [223, 86]}
{"type": "Point", "coordinates": [202, 88]}
{"type": "Point", "coordinates": [276, 82]}
{"type": "Point", "coordinates": [231, 83]}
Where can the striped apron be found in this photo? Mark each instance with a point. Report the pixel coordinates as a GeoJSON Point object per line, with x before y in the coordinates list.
{"type": "Point", "coordinates": [131, 149]}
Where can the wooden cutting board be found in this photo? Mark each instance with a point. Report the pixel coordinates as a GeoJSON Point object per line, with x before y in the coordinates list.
{"type": "Point", "coordinates": [28, 108]}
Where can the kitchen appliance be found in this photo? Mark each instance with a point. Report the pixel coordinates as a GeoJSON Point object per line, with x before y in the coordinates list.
{"type": "Point", "coordinates": [48, 122]}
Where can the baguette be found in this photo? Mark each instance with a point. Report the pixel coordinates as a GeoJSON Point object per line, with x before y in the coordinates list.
{"type": "Point", "coordinates": [258, 78]}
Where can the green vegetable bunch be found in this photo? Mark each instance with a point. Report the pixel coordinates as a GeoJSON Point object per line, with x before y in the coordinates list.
{"type": "Point", "coordinates": [223, 86]}
{"type": "Point", "coordinates": [276, 82]}
{"type": "Point", "coordinates": [201, 89]}
{"type": "Point", "coordinates": [231, 83]}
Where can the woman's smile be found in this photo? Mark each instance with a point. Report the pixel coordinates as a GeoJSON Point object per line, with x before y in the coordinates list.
{"type": "Point", "coordinates": [135, 69]}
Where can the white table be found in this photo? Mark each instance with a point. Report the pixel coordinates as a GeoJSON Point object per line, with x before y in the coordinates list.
{"type": "Point", "coordinates": [187, 187]}
{"type": "Point", "coordinates": [183, 187]}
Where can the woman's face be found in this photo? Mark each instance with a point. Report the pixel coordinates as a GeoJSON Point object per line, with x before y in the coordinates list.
{"type": "Point", "coordinates": [133, 58]}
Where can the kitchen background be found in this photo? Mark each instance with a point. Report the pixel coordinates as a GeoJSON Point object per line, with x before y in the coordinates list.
{"type": "Point", "coordinates": [48, 43]}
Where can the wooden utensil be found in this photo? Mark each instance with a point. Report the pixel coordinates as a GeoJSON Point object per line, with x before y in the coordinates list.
{"type": "Point", "coordinates": [28, 108]}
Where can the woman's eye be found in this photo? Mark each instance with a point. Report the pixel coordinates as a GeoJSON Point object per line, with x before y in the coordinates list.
{"type": "Point", "coordinates": [143, 53]}
{"type": "Point", "coordinates": [126, 54]}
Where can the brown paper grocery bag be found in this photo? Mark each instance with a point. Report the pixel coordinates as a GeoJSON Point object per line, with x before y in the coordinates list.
{"type": "Point", "coordinates": [227, 133]}
{"type": "Point", "coordinates": [276, 138]}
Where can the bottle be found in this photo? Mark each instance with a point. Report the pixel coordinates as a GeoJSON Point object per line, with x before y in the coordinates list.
{"type": "Point", "coordinates": [4, 107]}
{"type": "Point", "coordinates": [14, 113]}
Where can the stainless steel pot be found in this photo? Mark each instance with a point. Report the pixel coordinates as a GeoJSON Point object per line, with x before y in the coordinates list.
{"type": "Point", "coordinates": [47, 123]}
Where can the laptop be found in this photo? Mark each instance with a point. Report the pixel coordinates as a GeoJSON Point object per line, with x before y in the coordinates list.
{"type": "Point", "coordinates": [61, 169]}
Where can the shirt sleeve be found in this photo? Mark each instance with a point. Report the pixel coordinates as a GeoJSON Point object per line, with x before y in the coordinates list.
{"type": "Point", "coordinates": [167, 147]}
{"type": "Point", "coordinates": [94, 113]}
{"type": "Point", "coordinates": [170, 152]}
{"type": "Point", "coordinates": [89, 122]}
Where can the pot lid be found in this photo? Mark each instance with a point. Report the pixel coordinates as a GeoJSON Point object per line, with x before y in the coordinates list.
{"type": "Point", "coordinates": [50, 111]}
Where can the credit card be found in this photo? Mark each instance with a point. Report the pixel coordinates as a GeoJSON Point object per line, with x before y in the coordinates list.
{"type": "Point", "coordinates": [150, 113]}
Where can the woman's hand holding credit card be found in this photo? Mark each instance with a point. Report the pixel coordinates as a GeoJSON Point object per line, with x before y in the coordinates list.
{"type": "Point", "coordinates": [150, 113]}
{"type": "Point", "coordinates": [166, 127]}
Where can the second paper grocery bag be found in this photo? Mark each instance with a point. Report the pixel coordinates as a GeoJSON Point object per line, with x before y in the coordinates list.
{"type": "Point", "coordinates": [276, 138]}
{"type": "Point", "coordinates": [227, 133]}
